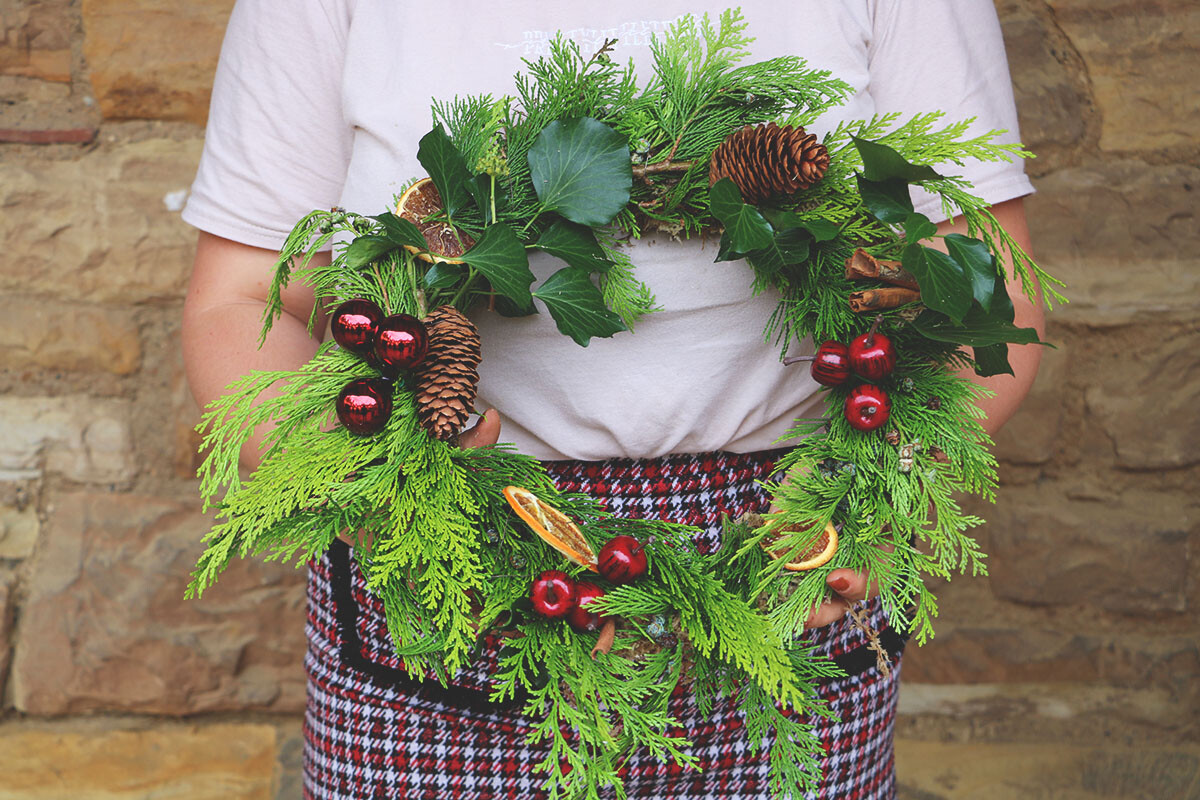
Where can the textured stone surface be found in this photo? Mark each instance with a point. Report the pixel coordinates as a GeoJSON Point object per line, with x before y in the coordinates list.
{"type": "Point", "coordinates": [7, 604]}
{"type": "Point", "coordinates": [35, 39]}
{"type": "Point", "coordinates": [68, 336]}
{"type": "Point", "coordinates": [153, 59]}
{"type": "Point", "coordinates": [1140, 59]}
{"type": "Point", "coordinates": [1123, 235]}
{"type": "Point", "coordinates": [98, 227]}
{"type": "Point", "coordinates": [105, 625]}
{"type": "Point", "coordinates": [1050, 771]}
{"type": "Point", "coordinates": [1127, 555]}
{"type": "Point", "coordinates": [82, 438]}
{"type": "Point", "coordinates": [18, 531]}
{"type": "Point", "coordinates": [172, 762]}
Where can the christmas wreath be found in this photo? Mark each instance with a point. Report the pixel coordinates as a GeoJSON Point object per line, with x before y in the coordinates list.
{"type": "Point", "coordinates": [601, 617]}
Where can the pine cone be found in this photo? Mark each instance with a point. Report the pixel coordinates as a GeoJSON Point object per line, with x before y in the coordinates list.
{"type": "Point", "coordinates": [767, 160]}
{"type": "Point", "coordinates": [446, 379]}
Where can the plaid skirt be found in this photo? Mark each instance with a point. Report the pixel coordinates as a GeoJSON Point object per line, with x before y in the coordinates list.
{"type": "Point", "coordinates": [372, 732]}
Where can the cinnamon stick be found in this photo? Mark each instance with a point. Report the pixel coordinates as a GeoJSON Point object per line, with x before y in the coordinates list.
{"type": "Point", "coordinates": [882, 299]}
{"type": "Point", "coordinates": [864, 266]}
{"type": "Point", "coordinates": [608, 634]}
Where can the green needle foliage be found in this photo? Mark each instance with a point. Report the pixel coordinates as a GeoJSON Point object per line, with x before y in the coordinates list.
{"type": "Point", "coordinates": [441, 547]}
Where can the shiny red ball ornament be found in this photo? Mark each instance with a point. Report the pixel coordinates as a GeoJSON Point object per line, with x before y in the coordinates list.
{"type": "Point", "coordinates": [622, 560]}
{"type": "Point", "coordinates": [553, 594]}
{"type": "Point", "coordinates": [872, 355]}
{"type": "Point", "coordinates": [580, 618]}
{"type": "Point", "coordinates": [831, 364]}
{"type": "Point", "coordinates": [401, 342]}
{"type": "Point", "coordinates": [867, 407]}
{"type": "Point", "coordinates": [365, 406]}
{"type": "Point", "coordinates": [355, 324]}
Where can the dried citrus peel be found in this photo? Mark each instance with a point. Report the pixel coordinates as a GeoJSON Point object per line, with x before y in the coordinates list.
{"type": "Point", "coordinates": [818, 553]}
{"type": "Point", "coordinates": [445, 242]}
{"type": "Point", "coordinates": [555, 528]}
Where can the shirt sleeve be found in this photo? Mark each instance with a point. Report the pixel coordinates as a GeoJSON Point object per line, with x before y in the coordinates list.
{"type": "Point", "coordinates": [277, 144]}
{"type": "Point", "coordinates": [948, 55]}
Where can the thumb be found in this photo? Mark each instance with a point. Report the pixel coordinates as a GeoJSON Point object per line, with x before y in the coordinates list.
{"type": "Point", "coordinates": [484, 432]}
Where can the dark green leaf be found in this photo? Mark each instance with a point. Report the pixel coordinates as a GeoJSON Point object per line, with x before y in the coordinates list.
{"type": "Point", "coordinates": [918, 227]}
{"type": "Point", "coordinates": [502, 259]}
{"type": "Point", "coordinates": [577, 306]}
{"type": "Point", "coordinates": [481, 190]}
{"type": "Point", "coordinates": [978, 263]}
{"type": "Point", "coordinates": [992, 360]}
{"type": "Point", "coordinates": [888, 201]}
{"type": "Point", "coordinates": [580, 168]}
{"type": "Point", "coordinates": [1002, 307]}
{"type": "Point", "coordinates": [507, 308]}
{"type": "Point", "coordinates": [944, 286]}
{"type": "Point", "coordinates": [443, 275]}
{"type": "Point", "coordinates": [977, 329]}
{"type": "Point", "coordinates": [785, 250]}
{"type": "Point", "coordinates": [882, 163]}
{"type": "Point", "coordinates": [365, 249]}
{"type": "Point", "coordinates": [821, 230]}
{"type": "Point", "coordinates": [446, 166]}
{"type": "Point", "coordinates": [576, 245]}
{"type": "Point", "coordinates": [745, 228]}
{"type": "Point", "coordinates": [401, 231]}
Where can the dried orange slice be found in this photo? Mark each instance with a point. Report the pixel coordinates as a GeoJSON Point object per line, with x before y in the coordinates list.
{"type": "Point", "coordinates": [445, 242]}
{"type": "Point", "coordinates": [552, 525]}
{"type": "Point", "coordinates": [819, 552]}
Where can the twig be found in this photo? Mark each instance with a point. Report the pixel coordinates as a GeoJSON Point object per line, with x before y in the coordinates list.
{"type": "Point", "coordinates": [883, 662]}
{"type": "Point", "coordinates": [642, 170]}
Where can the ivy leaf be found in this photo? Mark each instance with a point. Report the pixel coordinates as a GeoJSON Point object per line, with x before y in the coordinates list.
{"type": "Point", "coordinates": [888, 201]}
{"type": "Point", "coordinates": [576, 245]}
{"type": "Point", "coordinates": [1002, 307]}
{"type": "Point", "coordinates": [502, 259]}
{"type": "Point", "coordinates": [944, 286]}
{"type": "Point", "coordinates": [882, 163]}
{"type": "Point", "coordinates": [365, 249]}
{"type": "Point", "coordinates": [447, 167]}
{"type": "Point", "coordinates": [978, 263]}
{"type": "Point", "coordinates": [978, 329]}
{"type": "Point", "coordinates": [401, 231]}
{"type": "Point", "coordinates": [580, 168]}
{"type": "Point", "coordinates": [822, 230]}
{"type": "Point", "coordinates": [785, 250]}
{"type": "Point", "coordinates": [918, 227]}
{"type": "Point", "coordinates": [443, 275]}
{"type": "Point", "coordinates": [577, 306]}
{"type": "Point", "coordinates": [746, 230]}
{"type": "Point", "coordinates": [480, 187]}
{"type": "Point", "coordinates": [992, 360]}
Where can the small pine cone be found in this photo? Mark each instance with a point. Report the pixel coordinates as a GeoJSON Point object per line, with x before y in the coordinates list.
{"type": "Point", "coordinates": [768, 160]}
{"type": "Point", "coordinates": [447, 378]}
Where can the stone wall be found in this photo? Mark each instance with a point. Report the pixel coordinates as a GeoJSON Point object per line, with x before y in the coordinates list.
{"type": "Point", "coordinates": [1070, 672]}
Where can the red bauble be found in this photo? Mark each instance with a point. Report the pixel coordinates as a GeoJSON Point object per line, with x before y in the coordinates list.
{"type": "Point", "coordinates": [580, 618]}
{"type": "Point", "coordinates": [401, 342]}
{"type": "Point", "coordinates": [867, 407]}
{"type": "Point", "coordinates": [355, 323]}
{"type": "Point", "coordinates": [553, 594]}
{"type": "Point", "coordinates": [831, 364]}
{"type": "Point", "coordinates": [365, 406]}
{"type": "Point", "coordinates": [872, 355]}
{"type": "Point", "coordinates": [622, 560]}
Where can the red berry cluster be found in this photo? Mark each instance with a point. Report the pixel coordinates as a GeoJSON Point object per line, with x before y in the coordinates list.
{"type": "Point", "coordinates": [870, 356]}
{"type": "Point", "coordinates": [556, 594]}
{"type": "Point", "coordinates": [388, 343]}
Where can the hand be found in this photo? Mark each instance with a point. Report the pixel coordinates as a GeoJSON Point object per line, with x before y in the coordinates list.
{"type": "Point", "coordinates": [483, 433]}
{"type": "Point", "coordinates": [846, 588]}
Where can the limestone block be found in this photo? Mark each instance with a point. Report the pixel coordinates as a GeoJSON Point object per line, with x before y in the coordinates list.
{"type": "Point", "coordinates": [1140, 58]}
{"type": "Point", "coordinates": [1032, 433]}
{"type": "Point", "coordinates": [105, 625]}
{"type": "Point", "coordinates": [7, 589]}
{"type": "Point", "coordinates": [208, 762]}
{"type": "Point", "coordinates": [153, 59]}
{"type": "Point", "coordinates": [98, 227]}
{"type": "Point", "coordinates": [35, 39]}
{"type": "Point", "coordinates": [84, 439]}
{"type": "Point", "coordinates": [67, 336]}
{"type": "Point", "coordinates": [1123, 235]}
{"type": "Point", "coordinates": [18, 531]}
{"type": "Point", "coordinates": [1127, 554]}
{"type": "Point", "coordinates": [1044, 770]}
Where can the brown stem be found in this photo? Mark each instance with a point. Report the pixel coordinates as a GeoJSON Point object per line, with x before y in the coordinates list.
{"type": "Point", "coordinates": [642, 170]}
{"type": "Point", "coordinates": [882, 299]}
{"type": "Point", "coordinates": [864, 266]}
{"type": "Point", "coordinates": [874, 329]}
{"type": "Point", "coordinates": [608, 635]}
{"type": "Point", "coordinates": [787, 362]}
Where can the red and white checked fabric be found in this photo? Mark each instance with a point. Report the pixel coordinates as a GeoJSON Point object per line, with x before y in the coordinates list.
{"type": "Point", "coordinates": [372, 733]}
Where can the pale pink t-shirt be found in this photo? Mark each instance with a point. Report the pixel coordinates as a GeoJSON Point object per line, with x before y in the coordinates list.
{"type": "Point", "coordinates": [321, 103]}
